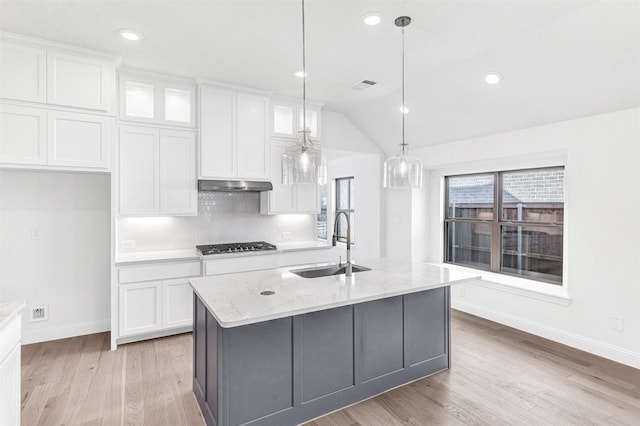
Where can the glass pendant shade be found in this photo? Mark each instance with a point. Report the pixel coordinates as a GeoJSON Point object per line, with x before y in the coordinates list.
{"type": "Point", "coordinates": [402, 171]}
{"type": "Point", "coordinates": [301, 163]}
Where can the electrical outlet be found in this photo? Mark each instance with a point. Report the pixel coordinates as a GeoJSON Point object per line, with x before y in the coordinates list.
{"type": "Point", "coordinates": [38, 313]}
{"type": "Point", "coordinates": [128, 244]}
{"type": "Point", "coordinates": [617, 323]}
{"type": "Point", "coordinates": [463, 292]}
{"type": "Point", "coordinates": [286, 236]}
{"type": "Point", "coordinates": [36, 233]}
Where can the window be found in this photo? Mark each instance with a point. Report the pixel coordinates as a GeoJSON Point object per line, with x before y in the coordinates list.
{"type": "Point", "coordinates": [508, 222]}
{"type": "Point", "coordinates": [344, 201]}
{"type": "Point", "coordinates": [321, 220]}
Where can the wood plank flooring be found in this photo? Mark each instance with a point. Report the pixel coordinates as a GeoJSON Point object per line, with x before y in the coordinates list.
{"type": "Point", "coordinates": [500, 376]}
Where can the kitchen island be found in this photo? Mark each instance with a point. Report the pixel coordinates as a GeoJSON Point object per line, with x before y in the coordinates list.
{"type": "Point", "coordinates": [272, 348]}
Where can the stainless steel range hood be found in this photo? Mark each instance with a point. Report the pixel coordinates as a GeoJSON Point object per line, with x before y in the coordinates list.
{"type": "Point", "coordinates": [234, 186]}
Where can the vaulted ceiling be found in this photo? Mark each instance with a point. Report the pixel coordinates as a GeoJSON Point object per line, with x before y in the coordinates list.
{"type": "Point", "coordinates": [559, 59]}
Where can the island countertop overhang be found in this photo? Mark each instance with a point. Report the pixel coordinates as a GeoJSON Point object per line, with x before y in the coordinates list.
{"type": "Point", "coordinates": [235, 299]}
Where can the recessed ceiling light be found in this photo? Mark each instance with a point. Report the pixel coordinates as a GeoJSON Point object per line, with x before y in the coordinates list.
{"type": "Point", "coordinates": [404, 109]}
{"type": "Point", "coordinates": [130, 35]}
{"type": "Point", "coordinates": [300, 74]}
{"type": "Point", "coordinates": [372, 18]}
{"type": "Point", "coordinates": [493, 77]}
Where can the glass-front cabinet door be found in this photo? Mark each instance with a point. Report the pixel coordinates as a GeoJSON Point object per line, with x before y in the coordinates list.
{"type": "Point", "coordinates": [287, 118]}
{"type": "Point", "coordinates": [156, 100]}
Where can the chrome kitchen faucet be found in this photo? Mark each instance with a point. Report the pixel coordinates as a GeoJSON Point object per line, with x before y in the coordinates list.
{"type": "Point", "coordinates": [335, 237]}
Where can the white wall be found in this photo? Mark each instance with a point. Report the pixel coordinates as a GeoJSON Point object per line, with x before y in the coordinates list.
{"type": "Point", "coordinates": [351, 153]}
{"type": "Point", "coordinates": [602, 250]}
{"type": "Point", "coordinates": [366, 171]}
{"type": "Point", "coordinates": [339, 133]}
{"type": "Point", "coordinates": [68, 270]}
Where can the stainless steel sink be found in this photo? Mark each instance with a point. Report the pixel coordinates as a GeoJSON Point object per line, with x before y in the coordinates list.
{"type": "Point", "coordinates": [325, 271]}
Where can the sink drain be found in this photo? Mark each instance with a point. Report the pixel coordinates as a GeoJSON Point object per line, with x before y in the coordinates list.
{"type": "Point", "coordinates": [267, 293]}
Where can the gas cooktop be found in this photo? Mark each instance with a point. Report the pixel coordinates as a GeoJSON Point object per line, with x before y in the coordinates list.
{"type": "Point", "coordinates": [235, 247]}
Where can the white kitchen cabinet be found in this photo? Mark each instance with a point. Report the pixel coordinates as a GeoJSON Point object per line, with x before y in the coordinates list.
{"type": "Point", "coordinates": [178, 304]}
{"type": "Point", "coordinates": [139, 171]}
{"type": "Point", "coordinates": [178, 184]}
{"type": "Point", "coordinates": [154, 99]}
{"type": "Point", "coordinates": [10, 337]}
{"type": "Point", "coordinates": [299, 198]}
{"type": "Point", "coordinates": [251, 141]}
{"type": "Point", "coordinates": [154, 299]}
{"type": "Point", "coordinates": [221, 265]}
{"type": "Point", "coordinates": [79, 140]}
{"type": "Point", "coordinates": [140, 307]}
{"type": "Point", "coordinates": [23, 135]}
{"type": "Point", "coordinates": [23, 72]}
{"type": "Point", "coordinates": [10, 388]}
{"type": "Point", "coordinates": [287, 118]}
{"type": "Point", "coordinates": [233, 127]}
{"type": "Point", "coordinates": [54, 139]}
{"type": "Point", "coordinates": [37, 71]}
{"type": "Point", "coordinates": [157, 172]}
{"type": "Point", "coordinates": [80, 81]}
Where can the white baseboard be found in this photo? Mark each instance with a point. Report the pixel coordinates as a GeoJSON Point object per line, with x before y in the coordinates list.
{"type": "Point", "coordinates": [605, 350]}
{"type": "Point", "coordinates": [62, 332]}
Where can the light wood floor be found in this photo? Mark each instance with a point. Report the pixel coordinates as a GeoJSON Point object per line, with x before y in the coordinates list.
{"type": "Point", "coordinates": [500, 376]}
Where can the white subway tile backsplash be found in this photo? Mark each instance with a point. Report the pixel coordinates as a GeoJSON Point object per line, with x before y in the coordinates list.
{"type": "Point", "coordinates": [222, 218]}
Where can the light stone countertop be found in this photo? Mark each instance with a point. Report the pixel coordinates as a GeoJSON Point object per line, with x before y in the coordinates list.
{"type": "Point", "coordinates": [304, 245]}
{"type": "Point", "coordinates": [157, 256]}
{"type": "Point", "coordinates": [9, 310]}
{"type": "Point", "coordinates": [193, 254]}
{"type": "Point", "coordinates": [235, 299]}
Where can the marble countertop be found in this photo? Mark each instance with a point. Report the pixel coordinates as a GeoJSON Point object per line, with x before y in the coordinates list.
{"type": "Point", "coordinates": [304, 245]}
{"type": "Point", "coordinates": [235, 299]}
{"type": "Point", "coordinates": [193, 254]}
{"type": "Point", "coordinates": [157, 256]}
{"type": "Point", "coordinates": [8, 310]}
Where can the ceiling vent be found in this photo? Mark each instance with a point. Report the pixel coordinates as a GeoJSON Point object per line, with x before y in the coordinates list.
{"type": "Point", "coordinates": [362, 85]}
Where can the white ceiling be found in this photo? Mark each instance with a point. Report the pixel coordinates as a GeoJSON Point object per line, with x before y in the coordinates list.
{"type": "Point", "coordinates": [560, 59]}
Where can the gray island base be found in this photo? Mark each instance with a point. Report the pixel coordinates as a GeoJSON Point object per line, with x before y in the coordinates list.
{"type": "Point", "coordinates": [273, 348]}
{"type": "Point", "coordinates": [290, 370]}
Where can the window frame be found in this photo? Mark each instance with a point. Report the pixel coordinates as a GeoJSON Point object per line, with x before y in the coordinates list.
{"type": "Point", "coordinates": [497, 224]}
{"type": "Point", "coordinates": [350, 211]}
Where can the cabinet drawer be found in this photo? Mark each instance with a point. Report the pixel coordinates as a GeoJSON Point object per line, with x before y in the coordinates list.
{"type": "Point", "coordinates": [164, 271]}
{"type": "Point", "coordinates": [240, 264]}
{"type": "Point", "coordinates": [308, 256]}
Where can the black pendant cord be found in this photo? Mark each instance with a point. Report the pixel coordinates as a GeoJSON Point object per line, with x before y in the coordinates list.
{"type": "Point", "coordinates": [304, 82]}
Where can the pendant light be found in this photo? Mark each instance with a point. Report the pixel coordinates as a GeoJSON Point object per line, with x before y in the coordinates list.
{"type": "Point", "coordinates": [402, 170]}
{"type": "Point", "coordinates": [302, 163]}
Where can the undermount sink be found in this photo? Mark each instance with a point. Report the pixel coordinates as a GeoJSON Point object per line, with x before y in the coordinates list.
{"type": "Point", "coordinates": [326, 271]}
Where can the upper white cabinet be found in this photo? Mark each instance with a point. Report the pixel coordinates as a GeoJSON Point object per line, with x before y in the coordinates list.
{"type": "Point", "coordinates": [79, 140]}
{"type": "Point", "coordinates": [23, 72]}
{"type": "Point", "coordinates": [178, 183]}
{"type": "Point", "coordinates": [154, 99]}
{"type": "Point", "coordinates": [36, 71]}
{"type": "Point", "coordinates": [45, 138]}
{"type": "Point", "coordinates": [233, 129]}
{"type": "Point", "coordinates": [287, 118]}
{"type": "Point", "coordinates": [80, 81]}
{"type": "Point", "coordinates": [23, 135]}
{"type": "Point", "coordinates": [300, 198]}
{"type": "Point", "coordinates": [157, 172]}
